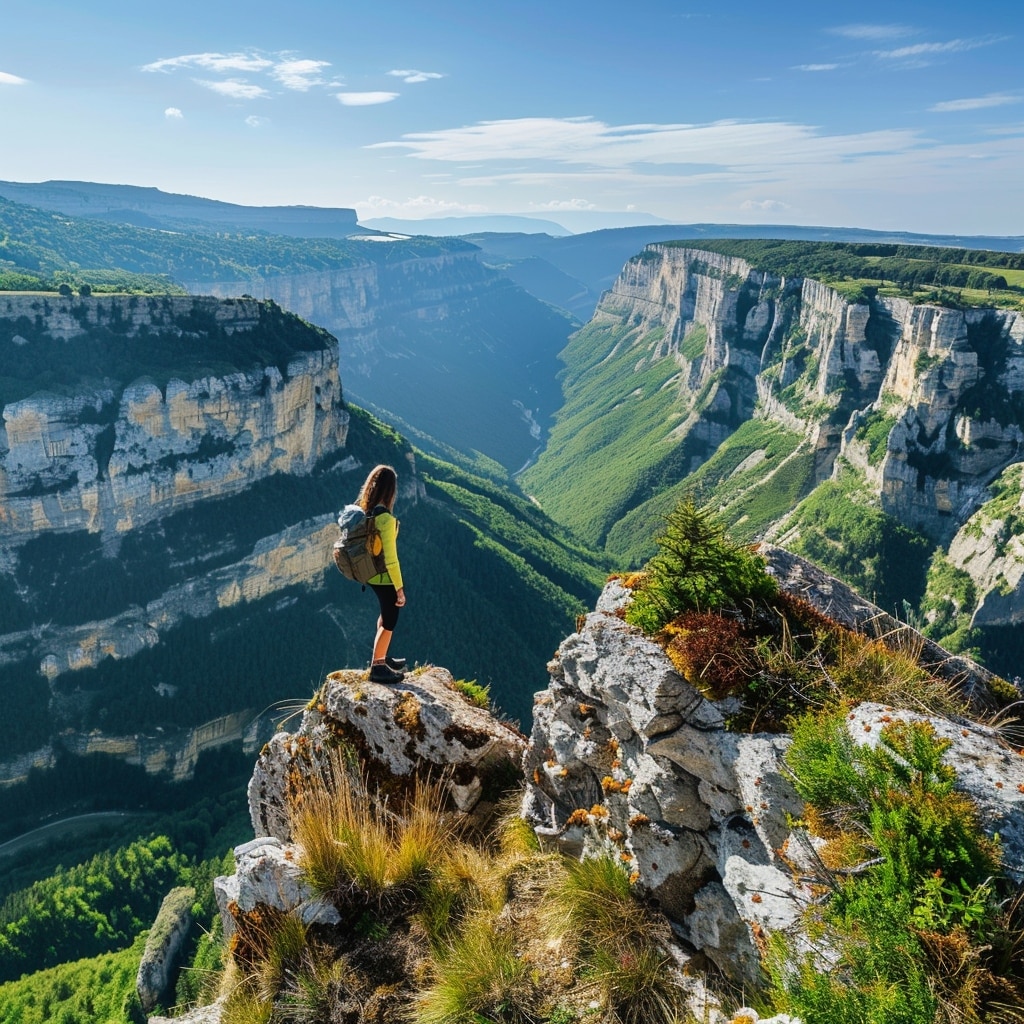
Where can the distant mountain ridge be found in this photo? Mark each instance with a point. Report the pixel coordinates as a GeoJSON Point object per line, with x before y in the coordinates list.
{"type": "Point", "coordinates": [153, 208]}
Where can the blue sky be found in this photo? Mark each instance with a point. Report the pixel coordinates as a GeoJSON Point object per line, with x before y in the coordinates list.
{"type": "Point", "coordinates": [895, 116]}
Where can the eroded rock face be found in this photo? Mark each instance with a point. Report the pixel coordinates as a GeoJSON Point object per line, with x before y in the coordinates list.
{"type": "Point", "coordinates": [163, 945]}
{"type": "Point", "coordinates": [418, 728]}
{"type": "Point", "coordinates": [626, 754]}
{"type": "Point", "coordinates": [116, 455]}
{"type": "Point", "coordinates": [627, 757]}
{"type": "Point", "coordinates": [267, 874]}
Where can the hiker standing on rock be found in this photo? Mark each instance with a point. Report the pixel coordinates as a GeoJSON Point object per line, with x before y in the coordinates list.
{"type": "Point", "coordinates": [377, 499]}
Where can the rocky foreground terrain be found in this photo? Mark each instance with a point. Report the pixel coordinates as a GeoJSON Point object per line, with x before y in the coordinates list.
{"type": "Point", "coordinates": [627, 760]}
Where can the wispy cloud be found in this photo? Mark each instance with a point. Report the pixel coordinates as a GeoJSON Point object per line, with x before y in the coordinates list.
{"type": "Point", "coordinates": [297, 74]}
{"type": "Point", "coordinates": [417, 205]}
{"type": "Point", "coordinates": [234, 89]}
{"type": "Point", "coordinates": [222, 63]}
{"type": "Point", "coordinates": [924, 50]}
{"type": "Point", "coordinates": [254, 121]}
{"type": "Point", "coordinates": [815, 67]}
{"type": "Point", "coordinates": [764, 205]}
{"type": "Point", "coordinates": [875, 32]}
{"type": "Point", "coordinates": [412, 77]}
{"type": "Point", "coordinates": [173, 114]}
{"type": "Point", "coordinates": [364, 99]}
{"type": "Point", "coordinates": [993, 99]}
{"type": "Point", "coordinates": [588, 142]}
{"type": "Point", "coordinates": [6, 78]}
{"type": "Point", "coordinates": [300, 75]}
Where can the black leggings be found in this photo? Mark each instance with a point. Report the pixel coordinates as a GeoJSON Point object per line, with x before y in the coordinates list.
{"type": "Point", "coordinates": [386, 595]}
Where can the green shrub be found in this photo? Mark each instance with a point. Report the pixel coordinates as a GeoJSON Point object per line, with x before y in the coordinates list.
{"type": "Point", "coordinates": [697, 568]}
{"type": "Point", "coordinates": [911, 873]}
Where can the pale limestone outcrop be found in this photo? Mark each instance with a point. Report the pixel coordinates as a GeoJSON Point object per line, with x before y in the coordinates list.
{"type": "Point", "coordinates": [420, 727]}
{"type": "Point", "coordinates": [267, 874]}
{"type": "Point", "coordinates": [163, 945]}
{"type": "Point", "coordinates": [626, 754]}
{"type": "Point", "coordinates": [627, 757]}
{"type": "Point", "coordinates": [989, 547]}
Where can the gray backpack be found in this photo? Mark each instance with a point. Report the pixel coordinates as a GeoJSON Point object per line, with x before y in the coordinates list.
{"type": "Point", "coordinates": [353, 550]}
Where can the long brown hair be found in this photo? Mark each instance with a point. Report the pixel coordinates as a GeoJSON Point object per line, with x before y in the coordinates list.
{"type": "Point", "coordinates": [379, 489]}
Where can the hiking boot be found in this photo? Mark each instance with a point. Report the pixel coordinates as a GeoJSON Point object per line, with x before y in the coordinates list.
{"type": "Point", "coordinates": [398, 664]}
{"type": "Point", "coordinates": [384, 674]}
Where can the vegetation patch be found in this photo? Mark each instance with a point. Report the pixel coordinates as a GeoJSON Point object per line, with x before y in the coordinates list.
{"type": "Point", "coordinates": [874, 430]}
{"type": "Point", "coordinates": [730, 633]}
{"type": "Point", "coordinates": [912, 897]}
{"type": "Point", "coordinates": [841, 528]}
{"type": "Point", "coordinates": [444, 926]}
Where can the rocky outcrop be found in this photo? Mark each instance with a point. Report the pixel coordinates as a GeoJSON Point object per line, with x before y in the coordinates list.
{"type": "Point", "coordinates": [163, 944]}
{"type": "Point", "coordinates": [267, 874]}
{"type": "Point", "coordinates": [420, 728]}
{"type": "Point", "coordinates": [626, 756]}
{"type": "Point", "coordinates": [984, 690]}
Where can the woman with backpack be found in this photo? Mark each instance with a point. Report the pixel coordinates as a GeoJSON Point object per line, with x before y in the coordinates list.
{"type": "Point", "coordinates": [377, 499]}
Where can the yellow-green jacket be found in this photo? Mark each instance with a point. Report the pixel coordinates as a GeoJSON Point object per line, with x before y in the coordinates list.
{"type": "Point", "coordinates": [385, 539]}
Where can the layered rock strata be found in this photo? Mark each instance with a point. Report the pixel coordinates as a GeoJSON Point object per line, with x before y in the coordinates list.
{"type": "Point", "coordinates": [113, 456]}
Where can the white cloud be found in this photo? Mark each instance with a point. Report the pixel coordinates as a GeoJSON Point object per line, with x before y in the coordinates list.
{"type": "Point", "coordinates": [815, 67]}
{"type": "Point", "coordinates": [921, 50]}
{"type": "Point", "coordinates": [764, 205]}
{"type": "Point", "coordinates": [365, 99]}
{"type": "Point", "coordinates": [993, 99]}
{"type": "Point", "coordinates": [254, 121]}
{"type": "Point", "coordinates": [587, 142]}
{"type": "Point", "coordinates": [6, 78]}
{"type": "Point", "coordinates": [300, 75]}
{"type": "Point", "coordinates": [173, 114]}
{"type": "Point", "coordinates": [564, 204]}
{"type": "Point", "coordinates": [412, 77]}
{"type": "Point", "coordinates": [421, 206]}
{"type": "Point", "coordinates": [216, 62]}
{"type": "Point", "coordinates": [234, 89]}
{"type": "Point", "coordinates": [868, 31]}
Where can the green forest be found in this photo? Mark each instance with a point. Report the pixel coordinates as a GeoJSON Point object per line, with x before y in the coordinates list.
{"type": "Point", "coordinates": [970, 277]}
{"type": "Point", "coordinates": [54, 248]}
{"type": "Point", "coordinates": [191, 345]}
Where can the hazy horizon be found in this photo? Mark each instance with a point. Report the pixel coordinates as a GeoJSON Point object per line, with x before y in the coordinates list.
{"type": "Point", "coordinates": [902, 117]}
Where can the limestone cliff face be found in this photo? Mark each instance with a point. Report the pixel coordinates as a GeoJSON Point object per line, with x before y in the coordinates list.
{"type": "Point", "coordinates": [116, 455]}
{"type": "Point", "coordinates": [925, 403]}
{"type": "Point", "coordinates": [943, 377]}
{"type": "Point", "coordinates": [293, 556]}
{"type": "Point", "coordinates": [97, 455]}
